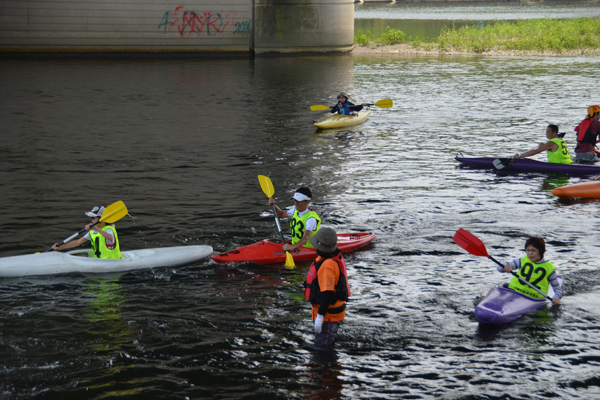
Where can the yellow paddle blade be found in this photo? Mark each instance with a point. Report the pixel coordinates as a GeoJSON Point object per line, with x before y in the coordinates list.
{"type": "Point", "coordinates": [289, 261]}
{"type": "Point", "coordinates": [266, 185]}
{"type": "Point", "coordinates": [114, 212]}
{"type": "Point", "coordinates": [384, 103]}
{"type": "Point", "coordinates": [319, 107]}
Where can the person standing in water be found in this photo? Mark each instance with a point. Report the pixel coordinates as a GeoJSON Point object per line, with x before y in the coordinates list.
{"type": "Point", "coordinates": [304, 221]}
{"type": "Point", "coordinates": [326, 287]}
{"type": "Point", "coordinates": [104, 238]}
{"type": "Point", "coordinates": [556, 148]}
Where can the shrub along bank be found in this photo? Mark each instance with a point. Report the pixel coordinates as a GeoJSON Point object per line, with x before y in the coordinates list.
{"type": "Point", "coordinates": [542, 36]}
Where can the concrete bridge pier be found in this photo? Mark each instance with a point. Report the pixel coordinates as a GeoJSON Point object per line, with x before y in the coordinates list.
{"type": "Point", "coordinates": [297, 26]}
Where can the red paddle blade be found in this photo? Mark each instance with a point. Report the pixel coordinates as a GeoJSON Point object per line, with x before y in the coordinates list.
{"type": "Point", "coordinates": [470, 243]}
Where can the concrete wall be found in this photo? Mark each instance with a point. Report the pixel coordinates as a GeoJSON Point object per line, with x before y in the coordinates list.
{"type": "Point", "coordinates": [175, 26]}
{"type": "Point", "coordinates": [124, 25]}
{"type": "Point", "coordinates": [291, 26]}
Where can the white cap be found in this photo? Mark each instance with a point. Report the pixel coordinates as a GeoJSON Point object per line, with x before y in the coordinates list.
{"type": "Point", "coordinates": [96, 212]}
{"type": "Point", "coordinates": [300, 197]}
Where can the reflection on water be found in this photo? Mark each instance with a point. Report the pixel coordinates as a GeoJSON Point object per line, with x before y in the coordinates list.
{"type": "Point", "coordinates": [181, 143]}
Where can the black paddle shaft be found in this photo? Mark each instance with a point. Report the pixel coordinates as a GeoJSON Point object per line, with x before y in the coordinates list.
{"type": "Point", "coordinates": [67, 240]}
{"type": "Point", "coordinates": [278, 225]}
{"type": "Point", "coordinates": [521, 279]}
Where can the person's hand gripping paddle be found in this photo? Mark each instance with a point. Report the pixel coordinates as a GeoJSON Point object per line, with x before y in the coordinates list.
{"type": "Point", "coordinates": [269, 190]}
{"type": "Point", "coordinates": [473, 245]}
{"type": "Point", "coordinates": [110, 215]}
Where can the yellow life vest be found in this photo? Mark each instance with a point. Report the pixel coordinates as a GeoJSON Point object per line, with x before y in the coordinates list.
{"type": "Point", "coordinates": [297, 225]}
{"type": "Point", "coordinates": [536, 274]}
{"type": "Point", "coordinates": [101, 250]}
{"type": "Point", "coordinates": [561, 155]}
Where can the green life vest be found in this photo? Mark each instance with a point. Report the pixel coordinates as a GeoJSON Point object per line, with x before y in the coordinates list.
{"type": "Point", "coordinates": [536, 274]}
{"type": "Point", "coordinates": [561, 155]}
{"type": "Point", "coordinates": [297, 225]}
{"type": "Point", "coordinates": [101, 250]}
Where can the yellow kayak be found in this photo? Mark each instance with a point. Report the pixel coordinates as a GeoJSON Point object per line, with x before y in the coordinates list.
{"type": "Point", "coordinates": [341, 120]}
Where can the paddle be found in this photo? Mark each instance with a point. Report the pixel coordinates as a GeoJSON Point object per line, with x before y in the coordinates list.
{"type": "Point", "coordinates": [500, 163]}
{"type": "Point", "coordinates": [387, 103]}
{"type": "Point", "coordinates": [110, 215]}
{"type": "Point", "coordinates": [473, 245]}
{"type": "Point", "coordinates": [269, 190]}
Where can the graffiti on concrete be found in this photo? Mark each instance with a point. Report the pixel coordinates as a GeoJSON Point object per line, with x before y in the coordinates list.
{"type": "Point", "coordinates": [211, 24]}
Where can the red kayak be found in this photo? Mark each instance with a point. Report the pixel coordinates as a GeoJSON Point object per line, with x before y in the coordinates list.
{"type": "Point", "coordinates": [269, 251]}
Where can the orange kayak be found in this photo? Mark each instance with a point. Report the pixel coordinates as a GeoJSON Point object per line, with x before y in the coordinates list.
{"type": "Point", "coordinates": [269, 251]}
{"type": "Point", "coordinates": [583, 190]}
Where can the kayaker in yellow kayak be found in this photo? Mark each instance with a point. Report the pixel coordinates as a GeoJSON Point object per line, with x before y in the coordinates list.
{"type": "Point", "coordinates": [304, 221]}
{"type": "Point", "coordinates": [534, 269]}
{"type": "Point", "coordinates": [344, 106]}
{"type": "Point", "coordinates": [556, 148]}
{"type": "Point", "coordinates": [103, 236]}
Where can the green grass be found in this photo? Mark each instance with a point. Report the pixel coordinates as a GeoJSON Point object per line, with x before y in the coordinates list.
{"type": "Point", "coordinates": [534, 35]}
{"type": "Point", "coordinates": [392, 36]}
{"type": "Point", "coordinates": [541, 35]}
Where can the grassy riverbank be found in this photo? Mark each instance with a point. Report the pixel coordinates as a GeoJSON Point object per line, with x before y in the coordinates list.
{"type": "Point", "coordinates": [534, 36]}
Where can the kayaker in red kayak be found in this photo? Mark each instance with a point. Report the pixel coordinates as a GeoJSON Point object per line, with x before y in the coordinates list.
{"type": "Point", "coordinates": [103, 236]}
{"type": "Point", "coordinates": [304, 221]}
{"type": "Point", "coordinates": [344, 106]}
{"type": "Point", "coordinates": [556, 148]}
{"type": "Point", "coordinates": [534, 269]}
{"type": "Point", "coordinates": [587, 136]}
{"type": "Point", "coordinates": [326, 287]}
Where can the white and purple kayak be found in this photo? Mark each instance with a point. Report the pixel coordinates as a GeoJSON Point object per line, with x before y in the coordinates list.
{"type": "Point", "coordinates": [83, 261]}
{"type": "Point", "coordinates": [502, 305]}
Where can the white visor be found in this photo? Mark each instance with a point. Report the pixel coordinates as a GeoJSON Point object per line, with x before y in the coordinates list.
{"type": "Point", "coordinates": [300, 197]}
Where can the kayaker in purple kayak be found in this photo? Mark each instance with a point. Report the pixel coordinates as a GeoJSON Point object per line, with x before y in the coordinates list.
{"type": "Point", "coordinates": [556, 148]}
{"type": "Point", "coordinates": [587, 136]}
{"type": "Point", "coordinates": [534, 269]}
{"type": "Point", "coordinates": [344, 106]}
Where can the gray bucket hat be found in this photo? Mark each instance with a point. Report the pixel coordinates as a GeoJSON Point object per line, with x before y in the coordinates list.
{"type": "Point", "coordinates": [324, 240]}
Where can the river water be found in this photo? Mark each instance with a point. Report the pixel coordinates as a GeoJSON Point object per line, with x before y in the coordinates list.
{"type": "Point", "coordinates": [426, 20]}
{"type": "Point", "coordinates": [181, 142]}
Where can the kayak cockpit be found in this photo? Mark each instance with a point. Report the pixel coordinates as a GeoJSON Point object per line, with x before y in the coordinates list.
{"type": "Point", "coordinates": [89, 253]}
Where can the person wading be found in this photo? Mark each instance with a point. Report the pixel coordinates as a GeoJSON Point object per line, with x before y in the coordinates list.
{"type": "Point", "coordinates": [326, 287]}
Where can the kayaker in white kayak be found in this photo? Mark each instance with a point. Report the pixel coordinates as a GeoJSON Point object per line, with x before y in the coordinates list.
{"type": "Point", "coordinates": [326, 287]}
{"type": "Point", "coordinates": [104, 237]}
{"type": "Point", "coordinates": [556, 148]}
{"type": "Point", "coordinates": [304, 221]}
{"type": "Point", "coordinates": [344, 106]}
{"type": "Point", "coordinates": [534, 269]}
{"type": "Point", "coordinates": [587, 136]}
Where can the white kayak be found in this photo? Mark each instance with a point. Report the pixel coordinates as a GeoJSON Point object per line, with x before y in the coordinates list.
{"type": "Point", "coordinates": [56, 262]}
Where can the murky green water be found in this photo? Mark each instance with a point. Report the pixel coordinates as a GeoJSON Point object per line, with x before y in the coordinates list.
{"type": "Point", "coordinates": [182, 143]}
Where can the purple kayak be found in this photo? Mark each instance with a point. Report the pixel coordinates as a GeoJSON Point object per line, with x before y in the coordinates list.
{"type": "Point", "coordinates": [527, 165]}
{"type": "Point", "coordinates": [502, 305]}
